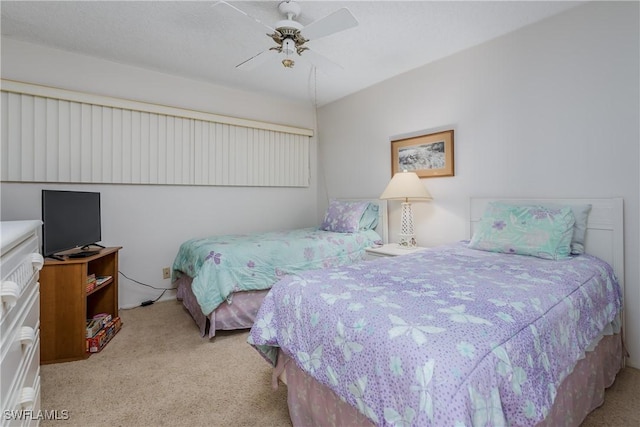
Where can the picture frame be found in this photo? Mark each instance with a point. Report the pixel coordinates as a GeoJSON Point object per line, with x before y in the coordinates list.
{"type": "Point", "coordinates": [429, 155]}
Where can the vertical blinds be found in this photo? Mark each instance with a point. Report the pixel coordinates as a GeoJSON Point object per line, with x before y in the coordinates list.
{"type": "Point", "coordinates": [51, 135]}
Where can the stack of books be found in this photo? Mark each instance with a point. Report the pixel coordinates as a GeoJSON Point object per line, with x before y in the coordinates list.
{"type": "Point", "coordinates": [101, 280]}
{"type": "Point", "coordinates": [100, 330]}
{"type": "Point", "coordinates": [91, 282]}
{"type": "Point", "coordinates": [94, 281]}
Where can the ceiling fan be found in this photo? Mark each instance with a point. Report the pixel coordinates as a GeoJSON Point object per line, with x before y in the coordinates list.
{"type": "Point", "coordinates": [291, 36]}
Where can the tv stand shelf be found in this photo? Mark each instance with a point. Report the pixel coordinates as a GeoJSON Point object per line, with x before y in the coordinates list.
{"type": "Point", "coordinates": [66, 305]}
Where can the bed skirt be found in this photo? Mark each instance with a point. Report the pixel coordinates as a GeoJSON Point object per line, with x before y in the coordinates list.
{"type": "Point", "coordinates": [313, 404]}
{"type": "Point", "coordinates": [237, 313]}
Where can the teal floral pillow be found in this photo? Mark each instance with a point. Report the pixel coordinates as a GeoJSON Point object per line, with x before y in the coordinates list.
{"type": "Point", "coordinates": [369, 219]}
{"type": "Point", "coordinates": [540, 231]}
{"type": "Point", "coordinates": [343, 216]}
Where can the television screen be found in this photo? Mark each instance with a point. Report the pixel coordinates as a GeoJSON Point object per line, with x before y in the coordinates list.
{"type": "Point", "coordinates": [71, 219]}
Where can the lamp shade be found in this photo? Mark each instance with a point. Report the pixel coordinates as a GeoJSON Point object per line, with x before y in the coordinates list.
{"type": "Point", "coordinates": [405, 186]}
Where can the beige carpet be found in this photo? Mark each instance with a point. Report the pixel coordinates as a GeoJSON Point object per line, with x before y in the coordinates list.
{"type": "Point", "coordinates": [158, 371]}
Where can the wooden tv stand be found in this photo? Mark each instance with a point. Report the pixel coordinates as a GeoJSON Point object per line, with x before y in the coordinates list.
{"type": "Point", "coordinates": [65, 304]}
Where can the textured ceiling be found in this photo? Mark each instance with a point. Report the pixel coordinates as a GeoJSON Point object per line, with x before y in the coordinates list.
{"type": "Point", "coordinates": [206, 41]}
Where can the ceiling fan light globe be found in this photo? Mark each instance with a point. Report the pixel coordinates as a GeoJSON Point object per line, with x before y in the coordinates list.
{"type": "Point", "coordinates": [288, 46]}
{"type": "Point", "coordinates": [288, 63]}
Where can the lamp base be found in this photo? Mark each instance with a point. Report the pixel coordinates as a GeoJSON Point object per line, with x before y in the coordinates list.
{"type": "Point", "coordinates": [407, 237]}
{"type": "Point", "coordinates": [408, 241]}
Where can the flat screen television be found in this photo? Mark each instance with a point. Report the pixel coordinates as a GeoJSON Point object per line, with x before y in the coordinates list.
{"type": "Point", "coordinates": [71, 219]}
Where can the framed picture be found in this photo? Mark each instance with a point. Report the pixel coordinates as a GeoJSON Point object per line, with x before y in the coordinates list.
{"type": "Point", "coordinates": [427, 155]}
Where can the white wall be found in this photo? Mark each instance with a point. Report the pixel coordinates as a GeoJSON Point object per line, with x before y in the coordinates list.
{"type": "Point", "coordinates": [151, 221]}
{"type": "Point", "coordinates": [550, 110]}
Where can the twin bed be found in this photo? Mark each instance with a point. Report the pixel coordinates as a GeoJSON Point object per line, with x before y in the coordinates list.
{"type": "Point", "coordinates": [521, 325]}
{"type": "Point", "coordinates": [222, 280]}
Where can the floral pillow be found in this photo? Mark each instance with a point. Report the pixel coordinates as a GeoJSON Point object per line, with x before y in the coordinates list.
{"type": "Point", "coordinates": [581, 214]}
{"type": "Point", "coordinates": [343, 216]}
{"type": "Point", "coordinates": [540, 231]}
{"type": "Point", "coordinates": [369, 220]}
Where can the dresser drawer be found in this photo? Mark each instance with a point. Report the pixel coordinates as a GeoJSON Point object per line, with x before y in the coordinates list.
{"type": "Point", "coordinates": [36, 405]}
{"type": "Point", "coordinates": [12, 260]}
{"type": "Point", "coordinates": [25, 393]}
{"type": "Point", "coordinates": [20, 268]}
{"type": "Point", "coordinates": [19, 344]}
{"type": "Point", "coordinates": [23, 405]}
{"type": "Point", "coordinates": [26, 417]}
{"type": "Point", "coordinates": [11, 319]}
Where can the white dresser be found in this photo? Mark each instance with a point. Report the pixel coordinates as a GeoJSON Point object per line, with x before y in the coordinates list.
{"type": "Point", "coordinates": [20, 263]}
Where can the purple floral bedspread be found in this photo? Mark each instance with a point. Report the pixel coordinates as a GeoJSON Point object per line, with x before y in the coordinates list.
{"type": "Point", "coordinates": [449, 336]}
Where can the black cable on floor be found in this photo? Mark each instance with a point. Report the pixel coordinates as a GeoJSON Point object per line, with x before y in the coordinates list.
{"type": "Point", "coordinates": [149, 302]}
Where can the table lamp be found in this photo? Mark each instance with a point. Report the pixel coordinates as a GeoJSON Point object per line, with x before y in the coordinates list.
{"type": "Point", "coordinates": [406, 186]}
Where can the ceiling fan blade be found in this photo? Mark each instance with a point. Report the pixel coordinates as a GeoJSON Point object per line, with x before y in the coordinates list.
{"type": "Point", "coordinates": [256, 60]}
{"type": "Point", "coordinates": [341, 19]}
{"type": "Point", "coordinates": [255, 20]}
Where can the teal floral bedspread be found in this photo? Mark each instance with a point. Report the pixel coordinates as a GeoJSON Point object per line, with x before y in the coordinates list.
{"type": "Point", "coordinates": [221, 265]}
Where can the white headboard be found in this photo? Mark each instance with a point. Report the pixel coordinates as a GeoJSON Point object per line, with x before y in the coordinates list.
{"type": "Point", "coordinates": [382, 228]}
{"type": "Point", "coordinates": [605, 227]}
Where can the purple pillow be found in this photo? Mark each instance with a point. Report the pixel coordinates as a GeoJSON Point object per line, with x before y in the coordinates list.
{"type": "Point", "coordinates": [343, 217]}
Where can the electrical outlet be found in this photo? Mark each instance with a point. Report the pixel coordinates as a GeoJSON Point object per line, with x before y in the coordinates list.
{"type": "Point", "coordinates": [166, 273]}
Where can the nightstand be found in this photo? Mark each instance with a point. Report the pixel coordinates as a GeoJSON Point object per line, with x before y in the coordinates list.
{"type": "Point", "coordinates": [390, 249]}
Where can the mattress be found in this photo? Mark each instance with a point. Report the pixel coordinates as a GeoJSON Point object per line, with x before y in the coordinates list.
{"type": "Point", "coordinates": [451, 336]}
